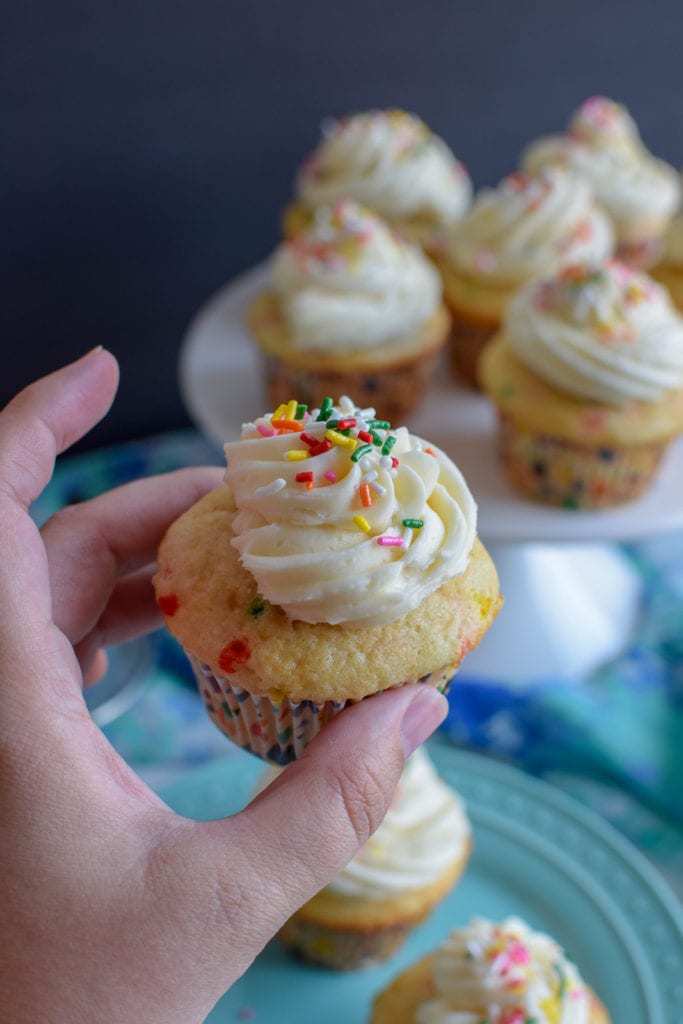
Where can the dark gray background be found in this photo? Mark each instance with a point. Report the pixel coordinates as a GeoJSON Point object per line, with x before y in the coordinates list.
{"type": "Point", "coordinates": [148, 146]}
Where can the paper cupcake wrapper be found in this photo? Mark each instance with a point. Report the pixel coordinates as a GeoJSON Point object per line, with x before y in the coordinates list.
{"type": "Point", "coordinates": [394, 391]}
{"type": "Point", "coordinates": [469, 337]}
{"type": "Point", "coordinates": [342, 949]}
{"type": "Point", "coordinates": [278, 731]}
{"type": "Point", "coordinates": [559, 472]}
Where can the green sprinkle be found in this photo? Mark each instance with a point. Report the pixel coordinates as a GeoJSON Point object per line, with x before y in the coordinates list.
{"type": "Point", "coordinates": [413, 524]}
{"type": "Point", "coordinates": [226, 709]}
{"type": "Point", "coordinates": [376, 439]}
{"type": "Point", "coordinates": [332, 424]}
{"type": "Point", "coordinates": [257, 608]}
{"type": "Point", "coordinates": [380, 424]}
{"type": "Point", "coordinates": [325, 410]}
{"type": "Point", "coordinates": [301, 410]}
{"type": "Point", "coordinates": [359, 452]}
{"type": "Point", "coordinates": [388, 445]}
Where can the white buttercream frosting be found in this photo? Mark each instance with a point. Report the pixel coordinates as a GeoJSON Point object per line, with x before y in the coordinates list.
{"type": "Point", "coordinates": [350, 282]}
{"type": "Point", "coordinates": [388, 160]}
{"type": "Point", "coordinates": [425, 830]}
{"type": "Point", "coordinates": [368, 531]}
{"type": "Point", "coordinates": [603, 145]}
{"type": "Point", "coordinates": [528, 226]}
{"type": "Point", "coordinates": [602, 333]}
{"type": "Point", "coordinates": [504, 973]}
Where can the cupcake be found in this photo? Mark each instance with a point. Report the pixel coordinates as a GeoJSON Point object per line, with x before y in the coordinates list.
{"type": "Point", "coordinates": [351, 309]}
{"type": "Point", "coordinates": [339, 558]}
{"type": "Point", "coordinates": [411, 862]}
{"type": "Point", "coordinates": [390, 161]}
{"type": "Point", "coordinates": [587, 378]}
{"type": "Point", "coordinates": [529, 226]}
{"type": "Point", "coordinates": [491, 973]}
{"type": "Point", "coordinates": [639, 192]}
{"type": "Point", "coordinates": [669, 270]}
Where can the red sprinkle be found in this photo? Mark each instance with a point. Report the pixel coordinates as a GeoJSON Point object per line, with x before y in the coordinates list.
{"type": "Point", "coordinates": [303, 478]}
{"type": "Point", "coordinates": [394, 462]}
{"type": "Point", "coordinates": [236, 653]}
{"type": "Point", "coordinates": [321, 448]}
{"type": "Point", "coordinates": [168, 604]}
{"type": "Point", "coordinates": [346, 424]}
{"type": "Point", "coordinates": [364, 436]}
{"type": "Point", "coordinates": [309, 439]}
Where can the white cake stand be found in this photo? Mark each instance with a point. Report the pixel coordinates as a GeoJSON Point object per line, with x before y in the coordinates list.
{"type": "Point", "coordinates": [571, 596]}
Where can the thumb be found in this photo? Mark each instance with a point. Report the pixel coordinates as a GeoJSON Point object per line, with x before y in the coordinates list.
{"type": "Point", "coordinates": [306, 826]}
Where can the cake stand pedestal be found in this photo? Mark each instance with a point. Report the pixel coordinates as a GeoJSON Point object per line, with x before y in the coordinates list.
{"type": "Point", "coordinates": [571, 596]}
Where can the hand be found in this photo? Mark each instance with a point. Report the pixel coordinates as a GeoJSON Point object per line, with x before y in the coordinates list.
{"type": "Point", "coordinates": [112, 907]}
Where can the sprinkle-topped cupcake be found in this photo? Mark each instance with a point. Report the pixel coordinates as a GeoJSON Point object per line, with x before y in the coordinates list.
{"type": "Point", "coordinates": [351, 308]}
{"type": "Point", "coordinates": [587, 375]}
{"type": "Point", "coordinates": [638, 191]}
{"type": "Point", "coordinates": [408, 866]}
{"type": "Point", "coordinates": [527, 227]}
{"type": "Point", "coordinates": [390, 161]}
{"type": "Point", "coordinates": [492, 973]}
{"type": "Point", "coordinates": [669, 270]}
{"type": "Point", "coordinates": [340, 558]}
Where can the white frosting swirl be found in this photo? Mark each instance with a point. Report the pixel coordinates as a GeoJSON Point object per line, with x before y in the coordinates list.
{"type": "Point", "coordinates": [607, 334]}
{"type": "Point", "coordinates": [349, 282]}
{"type": "Point", "coordinates": [424, 831]}
{"type": "Point", "coordinates": [340, 551]}
{"type": "Point", "coordinates": [388, 160]}
{"type": "Point", "coordinates": [530, 225]}
{"type": "Point", "coordinates": [603, 146]}
{"type": "Point", "coordinates": [505, 974]}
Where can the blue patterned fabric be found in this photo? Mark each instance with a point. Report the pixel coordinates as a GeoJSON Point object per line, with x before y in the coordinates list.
{"type": "Point", "coordinates": [614, 740]}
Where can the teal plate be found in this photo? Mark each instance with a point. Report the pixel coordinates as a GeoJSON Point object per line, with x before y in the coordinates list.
{"type": "Point", "coordinates": [537, 854]}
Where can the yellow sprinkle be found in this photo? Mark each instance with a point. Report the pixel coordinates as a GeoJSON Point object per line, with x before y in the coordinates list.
{"type": "Point", "coordinates": [296, 455]}
{"type": "Point", "coordinates": [291, 410]}
{"type": "Point", "coordinates": [362, 523]}
{"type": "Point", "coordinates": [336, 438]}
{"type": "Point", "coordinates": [280, 413]}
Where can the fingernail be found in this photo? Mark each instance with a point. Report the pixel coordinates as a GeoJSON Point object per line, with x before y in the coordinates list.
{"type": "Point", "coordinates": [423, 715]}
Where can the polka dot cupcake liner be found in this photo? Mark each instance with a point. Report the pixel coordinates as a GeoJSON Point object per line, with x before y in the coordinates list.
{"type": "Point", "coordinates": [277, 731]}
{"type": "Point", "coordinates": [559, 472]}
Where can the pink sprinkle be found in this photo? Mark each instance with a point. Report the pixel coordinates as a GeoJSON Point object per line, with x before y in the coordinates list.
{"type": "Point", "coordinates": [265, 431]}
{"type": "Point", "coordinates": [390, 542]}
{"type": "Point", "coordinates": [331, 476]}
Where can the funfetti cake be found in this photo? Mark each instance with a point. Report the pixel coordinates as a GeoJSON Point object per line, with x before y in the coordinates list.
{"type": "Point", "coordinates": [339, 558]}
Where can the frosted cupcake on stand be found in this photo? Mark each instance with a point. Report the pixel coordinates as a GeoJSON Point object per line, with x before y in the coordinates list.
{"type": "Point", "coordinates": [640, 192]}
{"type": "Point", "coordinates": [491, 973]}
{"type": "Point", "coordinates": [353, 309]}
{"type": "Point", "coordinates": [587, 378]}
{"type": "Point", "coordinates": [391, 162]}
{"type": "Point", "coordinates": [409, 865]}
{"type": "Point", "coordinates": [529, 226]}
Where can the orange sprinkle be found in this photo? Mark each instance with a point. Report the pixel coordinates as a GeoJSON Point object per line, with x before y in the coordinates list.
{"type": "Point", "coordinates": [309, 485]}
{"type": "Point", "coordinates": [430, 452]}
{"type": "Point", "coordinates": [365, 495]}
{"type": "Point", "coordinates": [287, 425]}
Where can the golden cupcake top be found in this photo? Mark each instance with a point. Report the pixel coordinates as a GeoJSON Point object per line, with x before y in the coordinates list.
{"type": "Point", "coordinates": [390, 161]}
{"type": "Point", "coordinates": [599, 332]}
{"type": "Point", "coordinates": [529, 225]}
{"type": "Point", "coordinates": [349, 282]}
{"type": "Point", "coordinates": [343, 519]}
{"type": "Point", "coordinates": [504, 973]}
